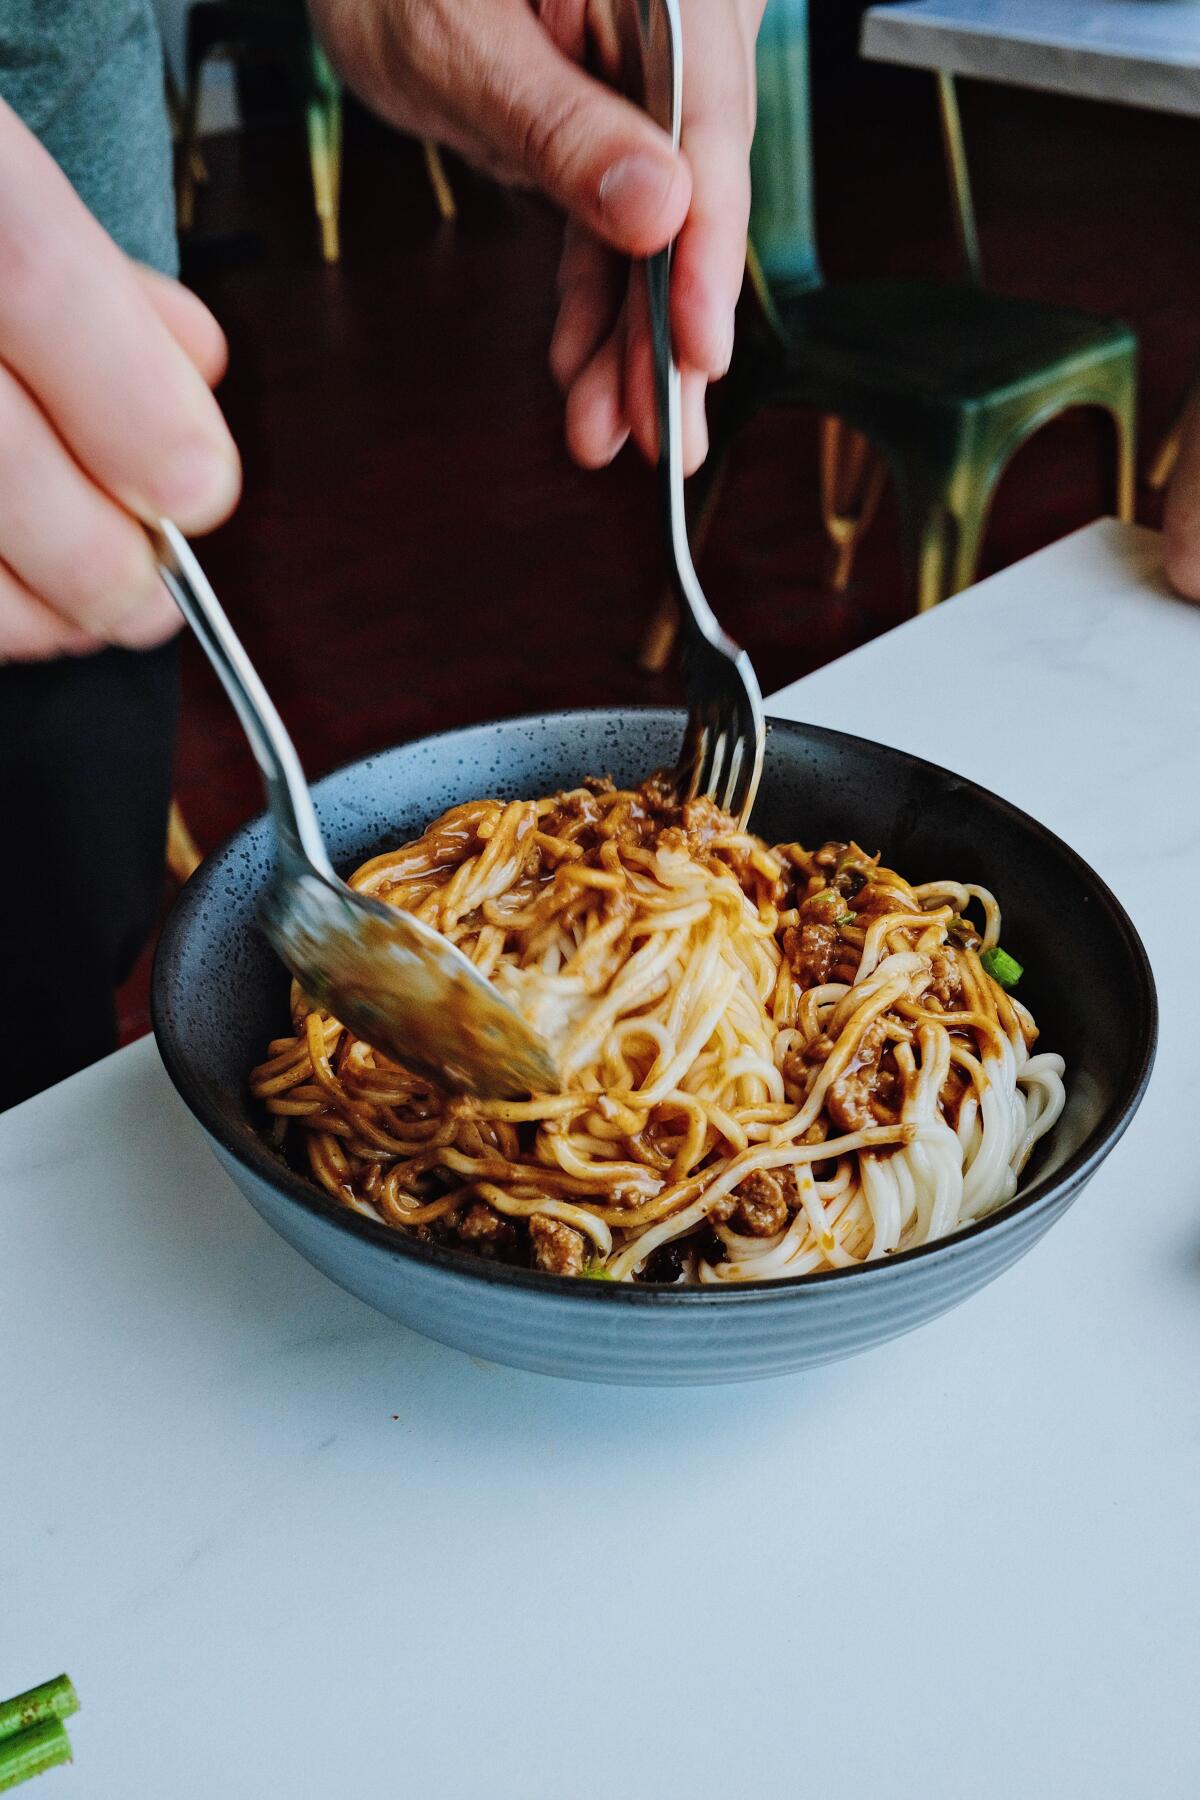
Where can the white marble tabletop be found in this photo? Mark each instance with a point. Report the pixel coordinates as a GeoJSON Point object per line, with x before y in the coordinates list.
{"type": "Point", "coordinates": [286, 1548]}
{"type": "Point", "coordinates": [1140, 52]}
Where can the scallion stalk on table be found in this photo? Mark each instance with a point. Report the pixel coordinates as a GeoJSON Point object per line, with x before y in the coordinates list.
{"type": "Point", "coordinates": [33, 1737]}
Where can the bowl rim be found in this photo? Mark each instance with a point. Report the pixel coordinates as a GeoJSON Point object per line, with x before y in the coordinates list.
{"type": "Point", "coordinates": [255, 1155]}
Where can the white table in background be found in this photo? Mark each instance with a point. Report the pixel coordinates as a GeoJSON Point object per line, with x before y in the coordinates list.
{"type": "Point", "coordinates": [286, 1548]}
{"type": "Point", "coordinates": [1138, 52]}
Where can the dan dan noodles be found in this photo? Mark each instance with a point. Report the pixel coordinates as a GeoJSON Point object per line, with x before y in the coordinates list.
{"type": "Point", "coordinates": [773, 1060]}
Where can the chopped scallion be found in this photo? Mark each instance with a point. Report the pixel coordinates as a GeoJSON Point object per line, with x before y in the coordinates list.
{"type": "Point", "coordinates": [55, 1699]}
{"type": "Point", "coordinates": [32, 1735]}
{"type": "Point", "coordinates": [847, 918]}
{"type": "Point", "coordinates": [1002, 967]}
{"type": "Point", "coordinates": [32, 1752]}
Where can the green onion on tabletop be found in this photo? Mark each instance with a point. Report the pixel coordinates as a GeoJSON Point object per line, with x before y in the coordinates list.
{"type": "Point", "coordinates": [33, 1737]}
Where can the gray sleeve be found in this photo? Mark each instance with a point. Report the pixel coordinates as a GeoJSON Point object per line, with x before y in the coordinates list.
{"type": "Point", "coordinates": [87, 78]}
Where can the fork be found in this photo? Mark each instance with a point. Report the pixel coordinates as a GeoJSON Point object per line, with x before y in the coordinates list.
{"type": "Point", "coordinates": [722, 754]}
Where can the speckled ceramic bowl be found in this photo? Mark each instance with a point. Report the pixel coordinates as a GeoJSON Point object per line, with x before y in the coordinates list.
{"type": "Point", "coordinates": [219, 994]}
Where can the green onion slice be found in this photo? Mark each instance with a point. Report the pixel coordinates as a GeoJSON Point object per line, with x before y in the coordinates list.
{"type": "Point", "coordinates": [1002, 967]}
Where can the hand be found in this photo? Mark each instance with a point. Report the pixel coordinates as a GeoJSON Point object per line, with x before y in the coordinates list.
{"type": "Point", "coordinates": [1181, 523]}
{"type": "Point", "coordinates": [105, 418]}
{"type": "Point", "coordinates": [500, 81]}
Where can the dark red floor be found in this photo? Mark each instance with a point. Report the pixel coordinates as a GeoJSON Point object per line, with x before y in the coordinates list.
{"type": "Point", "coordinates": [414, 549]}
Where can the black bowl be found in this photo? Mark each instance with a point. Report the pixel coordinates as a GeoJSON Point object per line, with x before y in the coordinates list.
{"type": "Point", "coordinates": [219, 994]}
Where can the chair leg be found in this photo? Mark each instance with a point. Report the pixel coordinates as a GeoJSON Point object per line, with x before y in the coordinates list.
{"type": "Point", "coordinates": [183, 858]}
{"type": "Point", "coordinates": [439, 181]}
{"type": "Point", "coordinates": [1162, 466]}
{"type": "Point", "coordinates": [1123, 420]}
{"type": "Point", "coordinates": [191, 167]}
{"type": "Point", "coordinates": [175, 113]}
{"type": "Point", "coordinates": [967, 530]}
{"type": "Point", "coordinates": [851, 484]}
{"type": "Point", "coordinates": [324, 118]}
{"type": "Point", "coordinates": [947, 548]}
{"type": "Point", "coordinates": [932, 544]}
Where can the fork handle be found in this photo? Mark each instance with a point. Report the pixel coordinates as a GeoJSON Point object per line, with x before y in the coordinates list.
{"type": "Point", "coordinates": [287, 791]}
{"type": "Point", "coordinates": [660, 54]}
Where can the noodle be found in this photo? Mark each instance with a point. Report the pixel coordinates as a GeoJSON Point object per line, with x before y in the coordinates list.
{"type": "Point", "coordinates": [773, 1061]}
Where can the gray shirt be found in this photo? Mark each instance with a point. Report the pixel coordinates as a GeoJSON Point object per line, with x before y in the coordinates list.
{"type": "Point", "coordinates": [86, 76]}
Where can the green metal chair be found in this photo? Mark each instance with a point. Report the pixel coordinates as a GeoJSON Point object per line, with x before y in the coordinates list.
{"type": "Point", "coordinates": [944, 381]}
{"type": "Point", "coordinates": [279, 30]}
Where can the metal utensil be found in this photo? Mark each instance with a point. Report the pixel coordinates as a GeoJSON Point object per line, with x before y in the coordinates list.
{"type": "Point", "coordinates": [723, 745]}
{"type": "Point", "coordinates": [392, 979]}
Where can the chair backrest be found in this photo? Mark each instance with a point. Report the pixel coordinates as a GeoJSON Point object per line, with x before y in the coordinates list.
{"type": "Point", "coordinates": [782, 226]}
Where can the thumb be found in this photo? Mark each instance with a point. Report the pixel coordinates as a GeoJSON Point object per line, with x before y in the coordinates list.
{"type": "Point", "coordinates": [599, 156]}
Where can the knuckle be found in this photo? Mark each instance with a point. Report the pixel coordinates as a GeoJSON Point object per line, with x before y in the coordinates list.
{"type": "Point", "coordinates": [544, 138]}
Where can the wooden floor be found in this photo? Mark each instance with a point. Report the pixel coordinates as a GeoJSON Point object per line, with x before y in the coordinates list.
{"type": "Point", "coordinates": [414, 549]}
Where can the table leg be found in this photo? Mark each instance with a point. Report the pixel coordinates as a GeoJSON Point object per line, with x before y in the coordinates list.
{"type": "Point", "coordinates": [960, 179]}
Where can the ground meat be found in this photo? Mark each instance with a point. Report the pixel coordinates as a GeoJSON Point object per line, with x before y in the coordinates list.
{"type": "Point", "coordinates": [825, 907]}
{"type": "Point", "coordinates": [828, 856]}
{"type": "Point", "coordinates": [762, 1207]}
{"type": "Point", "coordinates": [557, 1248]}
{"type": "Point", "coordinates": [843, 869]}
{"type": "Point", "coordinates": [866, 1090]}
{"type": "Point", "coordinates": [946, 986]}
{"type": "Point", "coordinates": [875, 898]}
{"type": "Point", "coordinates": [483, 1231]}
{"type": "Point", "coordinates": [703, 821]}
{"type": "Point", "coordinates": [482, 1225]}
{"type": "Point", "coordinates": [813, 950]}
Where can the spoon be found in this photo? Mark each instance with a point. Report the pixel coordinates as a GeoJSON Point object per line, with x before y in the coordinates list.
{"type": "Point", "coordinates": [393, 980]}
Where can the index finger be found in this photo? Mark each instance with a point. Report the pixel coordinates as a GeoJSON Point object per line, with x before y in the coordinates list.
{"type": "Point", "coordinates": [80, 333]}
{"type": "Point", "coordinates": [717, 128]}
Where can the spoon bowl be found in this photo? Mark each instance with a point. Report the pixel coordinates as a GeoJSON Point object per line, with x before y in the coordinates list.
{"type": "Point", "coordinates": [392, 979]}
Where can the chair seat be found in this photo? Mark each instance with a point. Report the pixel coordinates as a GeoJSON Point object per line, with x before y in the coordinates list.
{"type": "Point", "coordinates": [269, 26]}
{"type": "Point", "coordinates": [943, 344]}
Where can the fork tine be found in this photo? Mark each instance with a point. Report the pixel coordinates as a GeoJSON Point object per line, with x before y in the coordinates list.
{"type": "Point", "coordinates": [718, 751]}
{"type": "Point", "coordinates": [733, 783]}
{"type": "Point", "coordinates": [691, 756]}
{"type": "Point", "coordinates": [752, 742]}
{"type": "Point", "coordinates": [710, 774]}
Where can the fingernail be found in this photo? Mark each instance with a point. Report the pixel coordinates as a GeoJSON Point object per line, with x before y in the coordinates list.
{"type": "Point", "coordinates": [619, 441]}
{"type": "Point", "coordinates": [638, 185]}
{"type": "Point", "coordinates": [196, 480]}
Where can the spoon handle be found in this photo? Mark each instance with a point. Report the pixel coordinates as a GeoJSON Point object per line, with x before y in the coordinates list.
{"type": "Point", "coordinates": [287, 791]}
